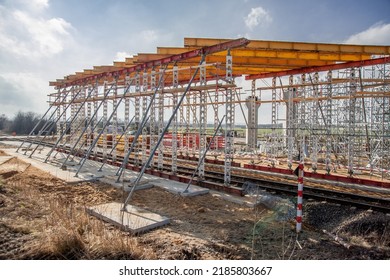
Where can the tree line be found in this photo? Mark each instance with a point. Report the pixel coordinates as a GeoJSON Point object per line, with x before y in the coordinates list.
{"type": "Point", "coordinates": [23, 123]}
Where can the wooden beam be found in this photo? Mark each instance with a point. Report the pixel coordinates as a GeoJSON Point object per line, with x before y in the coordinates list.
{"type": "Point", "coordinates": [297, 46]}
{"type": "Point", "coordinates": [338, 66]}
{"type": "Point", "coordinates": [260, 62]}
{"type": "Point", "coordinates": [279, 54]}
{"type": "Point", "coordinates": [170, 59]}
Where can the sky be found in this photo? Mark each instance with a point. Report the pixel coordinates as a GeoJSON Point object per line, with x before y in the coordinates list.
{"type": "Point", "coordinates": [43, 40]}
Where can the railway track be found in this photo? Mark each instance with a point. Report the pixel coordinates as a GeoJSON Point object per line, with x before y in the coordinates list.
{"type": "Point", "coordinates": [214, 177]}
{"type": "Point", "coordinates": [360, 201]}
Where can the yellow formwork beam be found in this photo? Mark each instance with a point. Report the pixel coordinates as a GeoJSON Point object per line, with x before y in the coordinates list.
{"type": "Point", "coordinates": [296, 46]}
{"type": "Point", "coordinates": [120, 64]}
{"type": "Point", "coordinates": [278, 54]}
{"type": "Point", "coordinates": [243, 61]}
{"type": "Point", "coordinates": [146, 57]}
{"type": "Point", "coordinates": [258, 56]}
{"type": "Point", "coordinates": [105, 68]}
{"type": "Point", "coordinates": [173, 50]}
{"type": "Point", "coordinates": [129, 61]}
{"type": "Point", "coordinates": [298, 55]}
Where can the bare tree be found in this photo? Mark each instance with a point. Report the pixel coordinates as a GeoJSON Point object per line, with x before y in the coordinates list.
{"type": "Point", "coordinates": [23, 123]}
{"type": "Point", "coordinates": [4, 122]}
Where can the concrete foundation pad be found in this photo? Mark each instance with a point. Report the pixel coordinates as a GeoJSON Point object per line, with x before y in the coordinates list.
{"type": "Point", "coordinates": [241, 200]}
{"type": "Point", "coordinates": [140, 187]}
{"type": "Point", "coordinates": [89, 172]}
{"type": "Point", "coordinates": [4, 159]}
{"type": "Point", "coordinates": [150, 181]}
{"type": "Point", "coordinates": [134, 219]}
{"type": "Point", "coordinates": [111, 180]}
{"type": "Point", "coordinates": [68, 163]}
{"type": "Point", "coordinates": [179, 188]}
{"type": "Point", "coordinates": [66, 175]}
{"type": "Point", "coordinates": [108, 177]}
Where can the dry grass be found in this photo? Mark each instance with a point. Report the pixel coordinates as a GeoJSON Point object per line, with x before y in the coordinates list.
{"type": "Point", "coordinates": [60, 228]}
{"type": "Point", "coordinates": [41, 217]}
{"type": "Point", "coordinates": [70, 233]}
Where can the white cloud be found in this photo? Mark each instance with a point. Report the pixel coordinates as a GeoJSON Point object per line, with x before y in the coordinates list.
{"type": "Point", "coordinates": [24, 91]}
{"type": "Point", "coordinates": [378, 34]}
{"type": "Point", "coordinates": [23, 33]}
{"type": "Point", "coordinates": [257, 16]}
{"type": "Point", "coordinates": [120, 56]}
{"type": "Point", "coordinates": [34, 5]}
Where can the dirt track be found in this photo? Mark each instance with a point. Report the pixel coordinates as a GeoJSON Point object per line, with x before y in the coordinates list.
{"type": "Point", "coordinates": [42, 217]}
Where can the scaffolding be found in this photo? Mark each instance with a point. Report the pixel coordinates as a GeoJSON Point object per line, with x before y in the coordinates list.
{"type": "Point", "coordinates": [326, 103]}
{"type": "Point", "coordinates": [341, 115]}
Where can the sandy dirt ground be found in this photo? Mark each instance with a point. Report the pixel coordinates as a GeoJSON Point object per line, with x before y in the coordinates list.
{"type": "Point", "coordinates": [42, 217]}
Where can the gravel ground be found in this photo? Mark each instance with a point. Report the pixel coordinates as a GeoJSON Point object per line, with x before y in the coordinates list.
{"type": "Point", "coordinates": [42, 217]}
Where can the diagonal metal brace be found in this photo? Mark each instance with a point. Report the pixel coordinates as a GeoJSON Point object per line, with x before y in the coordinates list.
{"type": "Point", "coordinates": [180, 101]}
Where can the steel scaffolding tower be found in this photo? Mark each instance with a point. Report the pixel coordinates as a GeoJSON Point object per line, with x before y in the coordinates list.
{"type": "Point", "coordinates": [329, 107]}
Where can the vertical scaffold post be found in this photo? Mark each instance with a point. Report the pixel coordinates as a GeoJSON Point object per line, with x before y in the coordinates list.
{"type": "Point", "coordinates": [58, 132]}
{"type": "Point", "coordinates": [80, 118]}
{"type": "Point", "coordinates": [137, 105]}
{"type": "Point", "coordinates": [114, 127]}
{"type": "Point", "coordinates": [187, 129]}
{"type": "Point", "coordinates": [160, 156]}
{"type": "Point", "coordinates": [302, 111]}
{"type": "Point", "coordinates": [104, 120]}
{"type": "Point", "coordinates": [290, 122]}
{"type": "Point", "coordinates": [273, 115]}
{"type": "Point", "coordinates": [182, 123]}
{"type": "Point", "coordinates": [194, 127]}
{"type": "Point", "coordinates": [202, 122]}
{"type": "Point", "coordinates": [216, 106]}
{"type": "Point", "coordinates": [127, 114]}
{"type": "Point", "coordinates": [229, 124]}
{"type": "Point", "coordinates": [182, 127]}
{"type": "Point", "coordinates": [175, 84]}
{"type": "Point", "coordinates": [152, 119]}
{"type": "Point", "coordinates": [82, 114]}
{"type": "Point", "coordinates": [300, 190]}
{"type": "Point", "coordinates": [314, 123]}
{"type": "Point", "coordinates": [252, 120]}
{"type": "Point", "coordinates": [144, 107]}
{"type": "Point", "coordinates": [88, 120]}
{"type": "Point", "coordinates": [72, 111]}
{"type": "Point", "coordinates": [96, 110]}
{"type": "Point", "coordinates": [301, 117]}
{"type": "Point", "coordinates": [64, 117]}
{"type": "Point", "coordinates": [351, 121]}
{"type": "Point", "coordinates": [328, 122]}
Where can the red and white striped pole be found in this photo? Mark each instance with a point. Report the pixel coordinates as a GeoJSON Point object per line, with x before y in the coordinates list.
{"type": "Point", "coordinates": [300, 196]}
